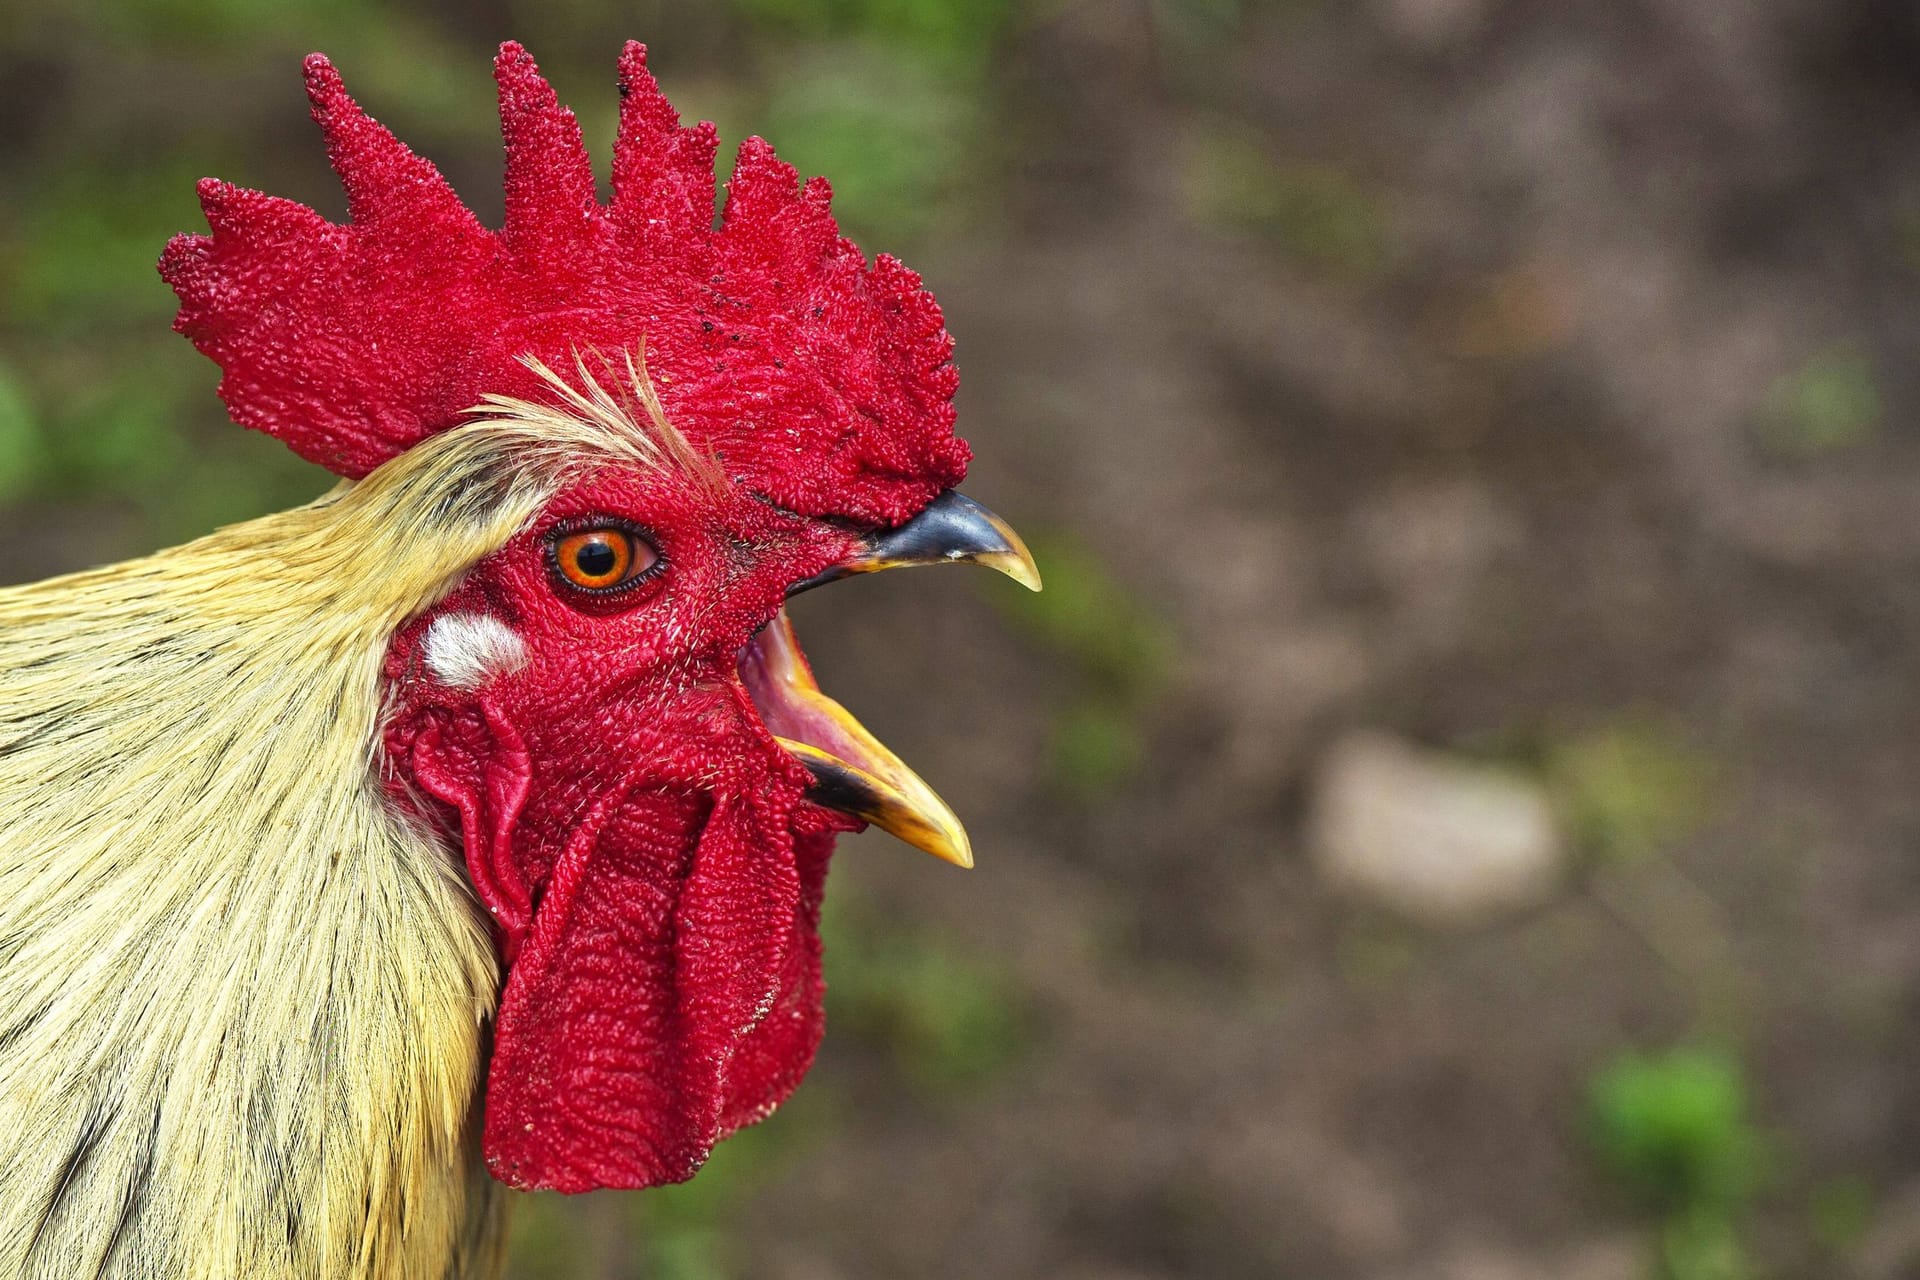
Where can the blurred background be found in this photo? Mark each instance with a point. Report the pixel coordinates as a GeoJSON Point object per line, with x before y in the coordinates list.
{"type": "Point", "coordinates": [1453, 812]}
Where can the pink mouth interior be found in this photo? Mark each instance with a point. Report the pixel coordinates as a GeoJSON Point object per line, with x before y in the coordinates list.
{"type": "Point", "coordinates": [768, 666]}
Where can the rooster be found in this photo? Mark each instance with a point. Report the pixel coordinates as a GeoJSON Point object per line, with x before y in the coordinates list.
{"type": "Point", "coordinates": [467, 826]}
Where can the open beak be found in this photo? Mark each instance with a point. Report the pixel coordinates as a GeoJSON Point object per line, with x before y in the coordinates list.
{"type": "Point", "coordinates": [852, 770]}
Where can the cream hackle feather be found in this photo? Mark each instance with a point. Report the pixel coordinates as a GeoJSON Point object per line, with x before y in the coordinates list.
{"type": "Point", "coordinates": [242, 998]}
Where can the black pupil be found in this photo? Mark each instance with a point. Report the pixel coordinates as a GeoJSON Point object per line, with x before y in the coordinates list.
{"type": "Point", "coordinates": [596, 559]}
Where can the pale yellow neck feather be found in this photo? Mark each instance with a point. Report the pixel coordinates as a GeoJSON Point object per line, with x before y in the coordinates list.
{"type": "Point", "coordinates": [242, 1001]}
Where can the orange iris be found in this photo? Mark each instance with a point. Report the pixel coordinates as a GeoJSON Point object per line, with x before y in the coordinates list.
{"type": "Point", "coordinates": [599, 559]}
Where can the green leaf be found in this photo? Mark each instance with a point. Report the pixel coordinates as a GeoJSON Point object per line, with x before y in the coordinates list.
{"type": "Point", "coordinates": [1674, 1129]}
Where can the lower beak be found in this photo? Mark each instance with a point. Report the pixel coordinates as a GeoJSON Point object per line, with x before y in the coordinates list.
{"type": "Point", "coordinates": [852, 770]}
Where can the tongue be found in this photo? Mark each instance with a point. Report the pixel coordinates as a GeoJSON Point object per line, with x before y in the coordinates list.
{"type": "Point", "coordinates": [652, 1009]}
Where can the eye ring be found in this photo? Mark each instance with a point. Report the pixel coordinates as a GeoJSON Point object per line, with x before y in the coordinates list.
{"type": "Point", "coordinates": [596, 556]}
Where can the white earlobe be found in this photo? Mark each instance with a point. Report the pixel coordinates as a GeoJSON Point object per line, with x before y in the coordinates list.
{"type": "Point", "coordinates": [465, 650]}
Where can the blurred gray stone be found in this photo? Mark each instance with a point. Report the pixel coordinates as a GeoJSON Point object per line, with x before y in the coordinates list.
{"type": "Point", "coordinates": [1429, 836]}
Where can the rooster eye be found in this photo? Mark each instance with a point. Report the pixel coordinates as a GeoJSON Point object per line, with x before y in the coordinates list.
{"type": "Point", "coordinates": [600, 559]}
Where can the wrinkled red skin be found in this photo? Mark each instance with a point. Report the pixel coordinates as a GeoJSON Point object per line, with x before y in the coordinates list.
{"type": "Point", "coordinates": [643, 846]}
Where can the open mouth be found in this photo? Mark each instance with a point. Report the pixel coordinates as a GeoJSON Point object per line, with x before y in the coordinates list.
{"type": "Point", "coordinates": [852, 770]}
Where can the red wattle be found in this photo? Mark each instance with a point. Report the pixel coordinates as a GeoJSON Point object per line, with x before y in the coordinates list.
{"type": "Point", "coordinates": [649, 1015]}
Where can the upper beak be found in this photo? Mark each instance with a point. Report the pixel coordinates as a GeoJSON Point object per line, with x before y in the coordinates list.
{"type": "Point", "coordinates": [952, 529]}
{"type": "Point", "coordinates": [852, 770]}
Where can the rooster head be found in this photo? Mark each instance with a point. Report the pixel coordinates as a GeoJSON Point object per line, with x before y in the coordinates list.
{"type": "Point", "coordinates": [611, 709]}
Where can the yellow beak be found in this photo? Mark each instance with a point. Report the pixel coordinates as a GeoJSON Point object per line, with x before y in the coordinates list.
{"type": "Point", "coordinates": [853, 770]}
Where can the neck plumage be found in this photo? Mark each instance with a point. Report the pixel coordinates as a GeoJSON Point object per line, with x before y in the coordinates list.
{"type": "Point", "coordinates": [243, 1001]}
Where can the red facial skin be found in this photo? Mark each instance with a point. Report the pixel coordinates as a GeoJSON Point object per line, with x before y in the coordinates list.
{"type": "Point", "coordinates": [644, 846]}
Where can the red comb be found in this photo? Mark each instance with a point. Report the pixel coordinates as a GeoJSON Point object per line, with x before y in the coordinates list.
{"type": "Point", "coordinates": [822, 382]}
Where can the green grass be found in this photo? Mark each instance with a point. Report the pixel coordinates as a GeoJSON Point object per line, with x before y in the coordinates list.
{"type": "Point", "coordinates": [1105, 626]}
{"type": "Point", "coordinates": [891, 99]}
{"type": "Point", "coordinates": [1096, 744]}
{"type": "Point", "coordinates": [1673, 1127]}
{"type": "Point", "coordinates": [80, 257]}
{"type": "Point", "coordinates": [1840, 1212]}
{"type": "Point", "coordinates": [958, 35]}
{"type": "Point", "coordinates": [949, 1021]}
{"type": "Point", "coordinates": [23, 448]}
{"type": "Point", "coordinates": [667, 1233]}
{"type": "Point", "coordinates": [198, 26]}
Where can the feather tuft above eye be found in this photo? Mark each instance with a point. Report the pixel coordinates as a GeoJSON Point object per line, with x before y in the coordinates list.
{"type": "Point", "coordinates": [627, 409]}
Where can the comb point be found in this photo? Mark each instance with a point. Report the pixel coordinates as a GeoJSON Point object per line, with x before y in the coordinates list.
{"type": "Point", "coordinates": [549, 176]}
{"type": "Point", "coordinates": [353, 342]}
